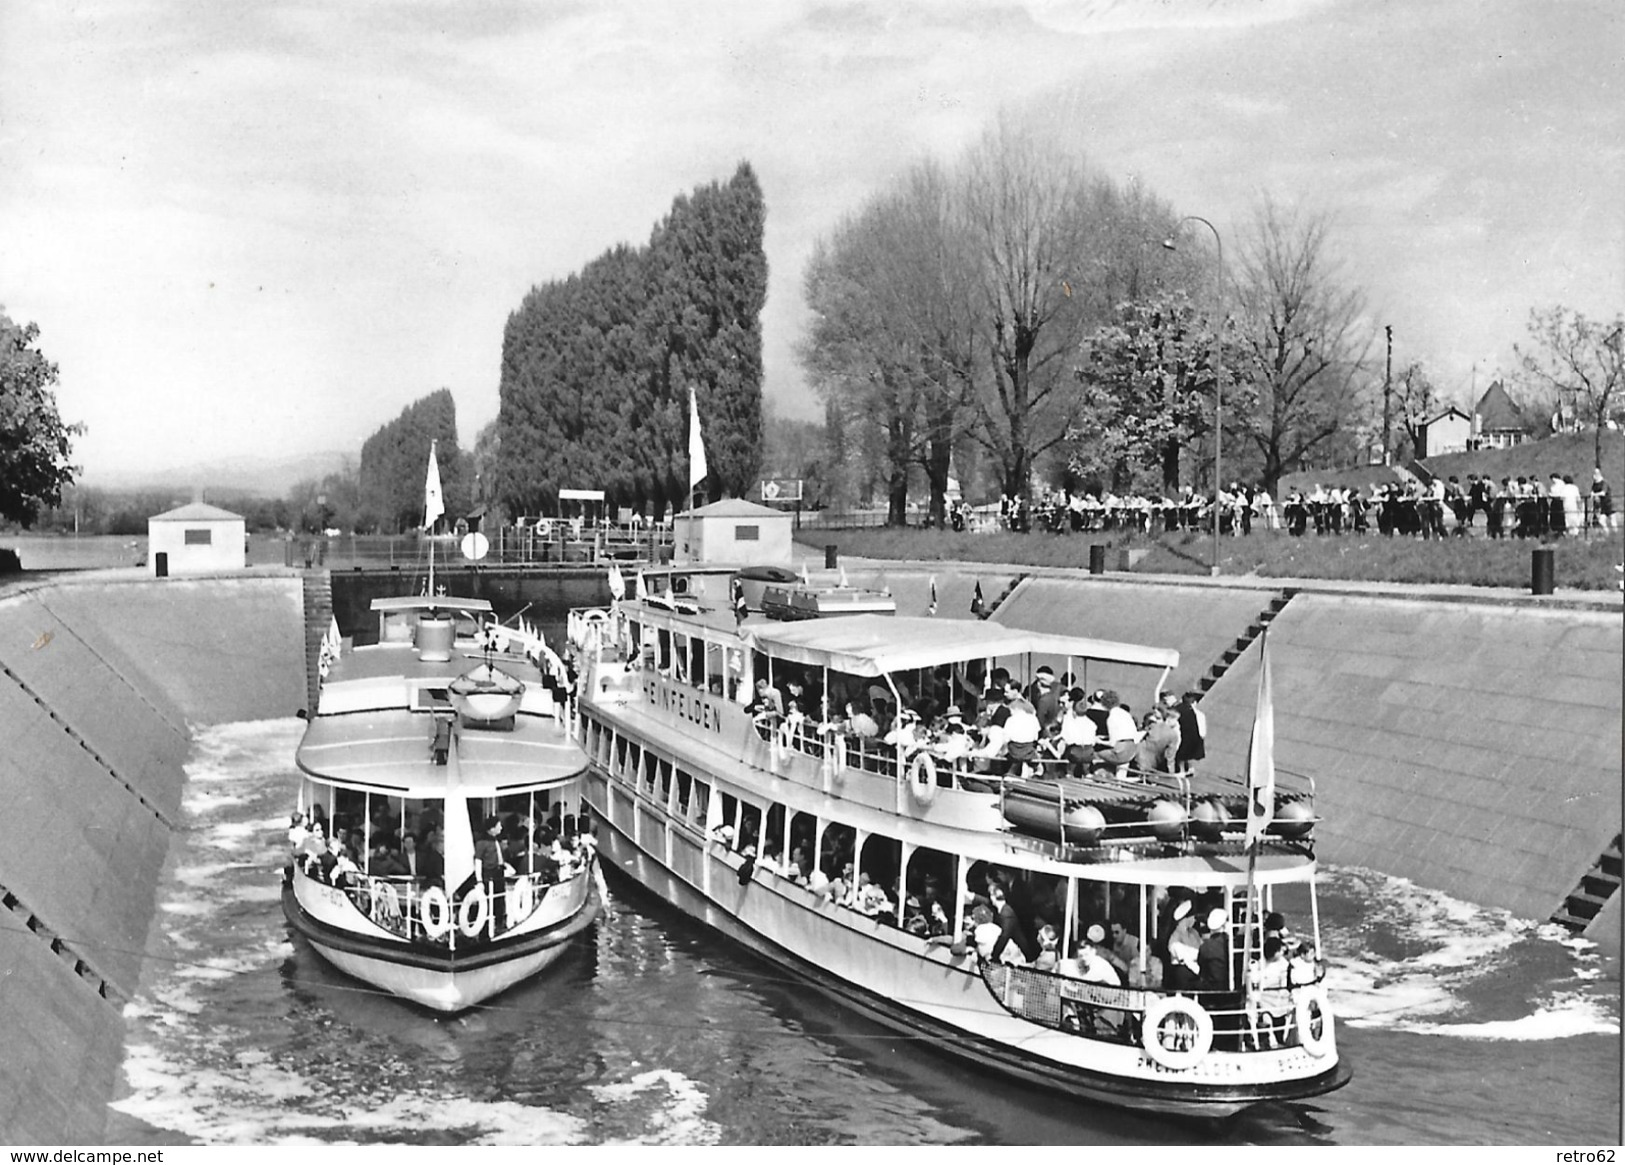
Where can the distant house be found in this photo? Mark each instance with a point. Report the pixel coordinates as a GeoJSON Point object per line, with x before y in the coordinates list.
{"type": "Point", "coordinates": [733, 530]}
{"type": "Point", "coordinates": [196, 539]}
{"type": "Point", "coordinates": [1498, 422]}
{"type": "Point", "coordinates": [1448, 432]}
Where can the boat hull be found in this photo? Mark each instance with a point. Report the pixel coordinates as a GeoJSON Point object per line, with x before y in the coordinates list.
{"type": "Point", "coordinates": [439, 980]}
{"type": "Point", "coordinates": [1165, 1094]}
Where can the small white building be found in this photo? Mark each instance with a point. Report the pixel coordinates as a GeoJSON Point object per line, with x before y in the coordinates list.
{"type": "Point", "coordinates": [733, 531]}
{"type": "Point", "coordinates": [196, 539]}
{"type": "Point", "coordinates": [1446, 433]}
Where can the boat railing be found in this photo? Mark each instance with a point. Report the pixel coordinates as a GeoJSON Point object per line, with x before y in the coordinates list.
{"type": "Point", "coordinates": [1234, 1020]}
{"type": "Point", "coordinates": [427, 914]}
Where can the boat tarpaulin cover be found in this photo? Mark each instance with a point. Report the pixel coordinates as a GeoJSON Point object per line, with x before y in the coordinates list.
{"type": "Point", "coordinates": [872, 645]}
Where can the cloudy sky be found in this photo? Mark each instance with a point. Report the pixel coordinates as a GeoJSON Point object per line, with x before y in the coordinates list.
{"type": "Point", "coordinates": [260, 229]}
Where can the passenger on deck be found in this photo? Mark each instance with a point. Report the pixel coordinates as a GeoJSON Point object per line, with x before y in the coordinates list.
{"type": "Point", "coordinates": [1184, 944]}
{"type": "Point", "coordinates": [1048, 957]}
{"type": "Point", "coordinates": [1213, 954]}
{"type": "Point", "coordinates": [1079, 736]}
{"type": "Point", "coordinates": [905, 733]}
{"type": "Point", "coordinates": [1021, 732]}
{"type": "Point", "coordinates": [1159, 744]}
{"type": "Point", "coordinates": [1014, 945]}
{"type": "Point", "coordinates": [411, 866]}
{"type": "Point", "coordinates": [768, 707]}
{"type": "Point", "coordinates": [1122, 735]}
{"type": "Point", "coordinates": [432, 861]}
{"type": "Point", "coordinates": [488, 857]}
{"type": "Point", "coordinates": [345, 871]}
{"type": "Point", "coordinates": [1271, 1012]}
{"type": "Point", "coordinates": [860, 724]}
{"type": "Point", "coordinates": [384, 862]}
{"type": "Point", "coordinates": [1093, 964]}
{"type": "Point", "coordinates": [1045, 697]}
{"type": "Point", "coordinates": [872, 898]}
{"type": "Point", "coordinates": [1192, 734]}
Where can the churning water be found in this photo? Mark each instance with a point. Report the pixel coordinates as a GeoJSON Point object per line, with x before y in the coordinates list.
{"type": "Point", "coordinates": [1464, 1025]}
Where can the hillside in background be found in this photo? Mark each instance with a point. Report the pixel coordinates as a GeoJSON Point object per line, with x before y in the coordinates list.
{"type": "Point", "coordinates": [1571, 454]}
{"type": "Point", "coordinates": [267, 477]}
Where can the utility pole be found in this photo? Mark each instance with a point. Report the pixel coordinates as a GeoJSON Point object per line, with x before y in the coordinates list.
{"type": "Point", "coordinates": [1387, 395]}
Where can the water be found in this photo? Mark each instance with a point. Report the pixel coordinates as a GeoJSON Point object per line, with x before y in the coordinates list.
{"type": "Point", "coordinates": [1464, 1025]}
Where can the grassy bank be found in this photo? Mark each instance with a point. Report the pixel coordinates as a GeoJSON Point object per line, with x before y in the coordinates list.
{"type": "Point", "coordinates": [1474, 561]}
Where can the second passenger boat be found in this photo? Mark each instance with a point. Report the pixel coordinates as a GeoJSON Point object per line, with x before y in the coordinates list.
{"type": "Point", "coordinates": [903, 877]}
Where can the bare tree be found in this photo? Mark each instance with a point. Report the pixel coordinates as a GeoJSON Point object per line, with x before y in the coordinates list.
{"type": "Point", "coordinates": [1306, 337]}
{"type": "Point", "coordinates": [1576, 359]}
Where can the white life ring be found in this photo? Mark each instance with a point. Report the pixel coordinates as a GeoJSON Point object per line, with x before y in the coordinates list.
{"type": "Point", "coordinates": [434, 912]}
{"type": "Point", "coordinates": [1313, 1010]}
{"type": "Point", "coordinates": [1177, 1058]}
{"type": "Point", "coordinates": [472, 915]}
{"type": "Point", "coordinates": [922, 779]}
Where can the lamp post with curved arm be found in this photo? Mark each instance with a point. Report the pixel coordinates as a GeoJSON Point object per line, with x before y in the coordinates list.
{"type": "Point", "coordinates": [1218, 374]}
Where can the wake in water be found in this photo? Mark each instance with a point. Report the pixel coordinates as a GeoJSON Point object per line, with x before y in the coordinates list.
{"type": "Point", "coordinates": [1405, 958]}
{"type": "Point", "coordinates": [225, 1046]}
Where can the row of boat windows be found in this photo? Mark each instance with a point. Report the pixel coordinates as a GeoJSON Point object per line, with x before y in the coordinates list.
{"type": "Point", "coordinates": [382, 835]}
{"type": "Point", "coordinates": [931, 893]}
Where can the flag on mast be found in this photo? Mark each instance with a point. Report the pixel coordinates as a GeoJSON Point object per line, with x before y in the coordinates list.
{"type": "Point", "coordinates": [434, 504]}
{"type": "Point", "coordinates": [617, 584]}
{"type": "Point", "coordinates": [977, 604]}
{"type": "Point", "coordinates": [1261, 755]}
{"type": "Point", "coordinates": [696, 444]}
{"type": "Point", "coordinates": [932, 609]}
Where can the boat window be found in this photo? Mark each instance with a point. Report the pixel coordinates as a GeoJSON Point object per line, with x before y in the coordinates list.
{"type": "Point", "coordinates": [665, 782]}
{"type": "Point", "coordinates": [928, 895]}
{"type": "Point", "coordinates": [882, 861]}
{"type": "Point", "coordinates": [652, 771]}
{"type": "Point", "coordinates": [715, 668]}
{"type": "Point", "coordinates": [730, 813]}
{"type": "Point", "coordinates": [701, 802]}
{"type": "Point", "coordinates": [685, 784]}
{"type": "Point", "coordinates": [618, 756]}
{"type": "Point", "coordinates": [838, 849]}
{"type": "Point", "coordinates": [663, 654]}
{"type": "Point", "coordinates": [634, 763]}
{"type": "Point", "coordinates": [773, 833]}
{"type": "Point", "coordinates": [750, 826]}
{"type": "Point", "coordinates": [803, 842]}
{"type": "Point", "coordinates": [697, 663]}
{"type": "Point", "coordinates": [679, 667]}
{"type": "Point", "coordinates": [430, 699]}
{"type": "Point", "coordinates": [349, 816]}
{"type": "Point", "coordinates": [418, 818]}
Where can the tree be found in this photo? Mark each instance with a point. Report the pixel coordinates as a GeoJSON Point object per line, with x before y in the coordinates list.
{"type": "Point", "coordinates": [1148, 393]}
{"type": "Point", "coordinates": [35, 446]}
{"type": "Point", "coordinates": [1416, 402]}
{"type": "Point", "coordinates": [395, 461]}
{"type": "Point", "coordinates": [1304, 338]}
{"type": "Point", "coordinates": [1577, 359]}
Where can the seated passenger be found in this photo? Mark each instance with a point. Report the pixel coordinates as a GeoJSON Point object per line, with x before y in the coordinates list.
{"type": "Point", "coordinates": [873, 899]}
{"type": "Point", "coordinates": [905, 733]}
{"type": "Point", "coordinates": [1048, 957]}
{"type": "Point", "coordinates": [345, 871]}
{"type": "Point", "coordinates": [384, 862]}
{"type": "Point", "coordinates": [1021, 730]}
{"type": "Point", "coordinates": [1122, 734]}
{"type": "Point", "coordinates": [860, 724]}
{"type": "Point", "coordinates": [1272, 1007]}
{"type": "Point", "coordinates": [982, 932]}
{"type": "Point", "coordinates": [1093, 966]}
{"type": "Point", "coordinates": [1079, 737]}
{"type": "Point", "coordinates": [1159, 744]}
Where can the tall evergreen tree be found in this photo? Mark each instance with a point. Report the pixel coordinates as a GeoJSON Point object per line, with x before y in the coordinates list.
{"type": "Point", "coordinates": [395, 459]}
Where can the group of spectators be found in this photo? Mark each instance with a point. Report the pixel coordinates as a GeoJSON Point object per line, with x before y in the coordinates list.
{"type": "Point", "coordinates": [1520, 507]}
{"type": "Point", "coordinates": [1049, 727]}
{"type": "Point", "coordinates": [1523, 507]}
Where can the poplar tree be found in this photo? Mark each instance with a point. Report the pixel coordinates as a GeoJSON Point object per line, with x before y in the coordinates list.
{"type": "Point", "coordinates": [34, 443]}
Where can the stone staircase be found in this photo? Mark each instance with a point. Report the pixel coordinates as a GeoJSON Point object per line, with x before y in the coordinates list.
{"type": "Point", "coordinates": [318, 594]}
{"type": "Point", "coordinates": [991, 605]}
{"type": "Point", "coordinates": [1245, 639]}
{"type": "Point", "coordinates": [64, 949]}
{"type": "Point", "coordinates": [1597, 886]}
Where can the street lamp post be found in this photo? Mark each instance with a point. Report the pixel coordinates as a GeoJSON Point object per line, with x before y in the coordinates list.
{"type": "Point", "coordinates": [1218, 375]}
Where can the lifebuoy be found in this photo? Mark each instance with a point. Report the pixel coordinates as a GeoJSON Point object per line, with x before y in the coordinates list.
{"type": "Point", "coordinates": [1313, 1017]}
{"type": "Point", "coordinates": [922, 779]}
{"type": "Point", "coordinates": [472, 914]}
{"type": "Point", "coordinates": [1187, 1046]}
{"type": "Point", "coordinates": [438, 922]}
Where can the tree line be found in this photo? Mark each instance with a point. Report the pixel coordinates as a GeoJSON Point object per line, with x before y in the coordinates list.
{"type": "Point", "coordinates": [597, 367]}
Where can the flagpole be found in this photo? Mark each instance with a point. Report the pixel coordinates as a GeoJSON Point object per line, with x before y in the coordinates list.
{"type": "Point", "coordinates": [1254, 842]}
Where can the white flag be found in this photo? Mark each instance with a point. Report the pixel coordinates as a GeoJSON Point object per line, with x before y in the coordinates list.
{"type": "Point", "coordinates": [1261, 755]}
{"type": "Point", "coordinates": [433, 504]}
{"type": "Point", "coordinates": [696, 444]}
{"type": "Point", "coordinates": [617, 584]}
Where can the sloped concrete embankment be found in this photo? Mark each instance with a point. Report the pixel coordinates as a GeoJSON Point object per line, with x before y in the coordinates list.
{"type": "Point", "coordinates": [1470, 748]}
{"type": "Point", "coordinates": [102, 682]}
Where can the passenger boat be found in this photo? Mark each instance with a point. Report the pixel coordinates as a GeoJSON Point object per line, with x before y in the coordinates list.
{"type": "Point", "coordinates": [863, 866]}
{"type": "Point", "coordinates": [422, 741]}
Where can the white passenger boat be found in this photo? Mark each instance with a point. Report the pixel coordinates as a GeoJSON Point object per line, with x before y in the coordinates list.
{"type": "Point", "coordinates": [752, 822]}
{"type": "Point", "coordinates": [447, 722]}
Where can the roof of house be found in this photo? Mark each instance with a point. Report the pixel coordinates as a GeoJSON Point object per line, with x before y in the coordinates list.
{"type": "Point", "coordinates": [1498, 411]}
{"type": "Point", "coordinates": [734, 508]}
{"type": "Point", "coordinates": [196, 512]}
{"type": "Point", "coordinates": [1452, 410]}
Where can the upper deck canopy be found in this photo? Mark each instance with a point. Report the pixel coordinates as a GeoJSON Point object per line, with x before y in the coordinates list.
{"type": "Point", "coordinates": [392, 604]}
{"type": "Point", "coordinates": [872, 645]}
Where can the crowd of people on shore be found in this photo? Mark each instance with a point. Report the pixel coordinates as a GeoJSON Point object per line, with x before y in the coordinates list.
{"type": "Point", "coordinates": [1521, 507]}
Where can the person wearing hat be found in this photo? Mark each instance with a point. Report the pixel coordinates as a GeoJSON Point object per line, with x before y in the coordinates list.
{"type": "Point", "coordinates": [1184, 944]}
{"type": "Point", "coordinates": [1093, 965]}
{"type": "Point", "coordinates": [1045, 697]}
{"type": "Point", "coordinates": [1213, 955]}
{"type": "Point", "coordinates": [488, 856]}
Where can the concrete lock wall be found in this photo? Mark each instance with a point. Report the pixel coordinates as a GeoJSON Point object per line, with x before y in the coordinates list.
{"type": "Point", "coordinates": [102, 680]}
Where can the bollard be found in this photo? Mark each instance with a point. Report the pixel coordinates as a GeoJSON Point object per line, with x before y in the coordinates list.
{"type": "Point", "coordinates": [1542, 570]}
{"type": "Point", "coordinates": [829, 558]}
{"type": "Point", "coordinates": [1097, 559]}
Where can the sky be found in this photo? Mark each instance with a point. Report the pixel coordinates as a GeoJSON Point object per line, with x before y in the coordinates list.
{"type": "Point", "coordinates": [250, 231]}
